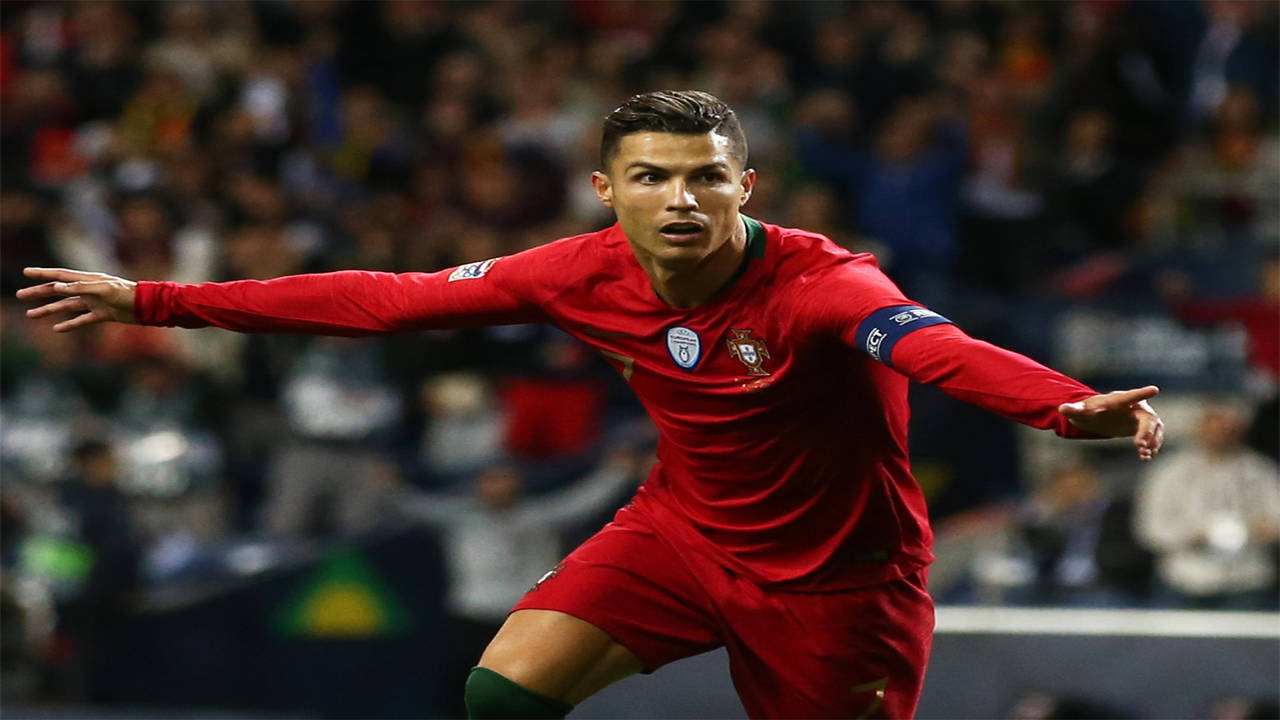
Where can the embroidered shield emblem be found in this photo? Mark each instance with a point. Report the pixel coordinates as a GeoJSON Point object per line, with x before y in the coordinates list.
{"type": "Point", "coordinates": [685, 346]}
{"type": "Point", "coordinates": [751, 351]}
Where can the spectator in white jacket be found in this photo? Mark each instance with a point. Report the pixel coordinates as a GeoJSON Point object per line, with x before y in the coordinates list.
{"type": "Point", "coordinates": [498, 542]}
{"type": "Point", "coordinates": [1211, 514]}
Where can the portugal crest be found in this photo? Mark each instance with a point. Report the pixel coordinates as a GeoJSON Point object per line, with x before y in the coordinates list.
{"type": "Point", "coordinates": [751, 351]}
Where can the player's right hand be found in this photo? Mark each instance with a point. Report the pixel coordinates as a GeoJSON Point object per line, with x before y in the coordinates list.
{"type": "Point", "coordinates": [96, 297]}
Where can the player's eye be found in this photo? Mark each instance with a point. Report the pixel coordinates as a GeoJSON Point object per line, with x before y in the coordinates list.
{"type": "Point", "coordinates": [712, 178]}
{"type": "Point", "coordinates": [648, 178]}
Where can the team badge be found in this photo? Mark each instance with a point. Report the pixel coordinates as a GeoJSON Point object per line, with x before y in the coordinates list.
{"type": "Point", "coordinates": [751, 351]}
{"type": "Point", "coordinates": [685, 347]}
{"type": "Point", "coordinates": [471, 271]}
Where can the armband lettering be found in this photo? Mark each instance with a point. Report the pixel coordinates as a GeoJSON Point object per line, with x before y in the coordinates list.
{"type": "Point", "coordinates": [882, 329]}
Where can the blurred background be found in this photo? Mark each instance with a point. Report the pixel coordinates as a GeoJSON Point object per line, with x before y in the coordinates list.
{"type": "Point", "coordinates": [205, 524]}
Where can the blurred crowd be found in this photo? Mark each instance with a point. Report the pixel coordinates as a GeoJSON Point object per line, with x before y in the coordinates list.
{"type": "Point", "coordinates": [1092, 183]}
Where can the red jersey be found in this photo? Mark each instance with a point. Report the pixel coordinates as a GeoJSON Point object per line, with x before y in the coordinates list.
{"type": "Point", "coordinates": [781, 402]}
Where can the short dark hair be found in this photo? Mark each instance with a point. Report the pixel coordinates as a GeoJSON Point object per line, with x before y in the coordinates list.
{"type": "Point", "coordinates": [684, 112]}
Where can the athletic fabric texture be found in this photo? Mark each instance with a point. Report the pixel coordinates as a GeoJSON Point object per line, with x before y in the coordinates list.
{"type": "Point", "coordinates": [847, 653]}
{"type": "Point", "coordinates": [783, 443]}
{"type": "Point", "coordinates": [490, 695]}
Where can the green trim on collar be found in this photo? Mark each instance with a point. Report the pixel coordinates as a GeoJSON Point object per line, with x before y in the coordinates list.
{"type": "Point", "coordinates": [755, 238]}
{"type": "Point", "coordinates": [754, 250]}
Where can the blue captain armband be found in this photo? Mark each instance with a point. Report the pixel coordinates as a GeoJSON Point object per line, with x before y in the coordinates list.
{"type": "Point", "coordinates": [885, 327]}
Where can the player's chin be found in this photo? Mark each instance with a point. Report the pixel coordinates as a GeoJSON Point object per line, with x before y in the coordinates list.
{"type": "Point", "coordinates": [679, 255]}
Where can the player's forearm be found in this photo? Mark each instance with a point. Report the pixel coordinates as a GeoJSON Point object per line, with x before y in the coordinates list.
{"type": "Point", "coordinates": [349, 302]}
{"type": "Point", "coordinates": [991, 377]}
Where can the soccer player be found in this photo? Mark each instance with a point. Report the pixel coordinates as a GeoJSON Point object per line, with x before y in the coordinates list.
{"type": "Point", "coordinates": [782, 520]}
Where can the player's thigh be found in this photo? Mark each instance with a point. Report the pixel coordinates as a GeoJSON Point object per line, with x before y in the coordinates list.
{"type": "Point", "coordinates": [851, 654]}
{"type": "Point", "coordinates": [558, 655]}
{"type": "Point", "coordinates": [618, 604]}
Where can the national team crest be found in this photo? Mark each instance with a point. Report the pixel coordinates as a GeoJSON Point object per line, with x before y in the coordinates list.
{"type": "Point", "coordinates": [751, 351]}
{"type": "Point", "coordinates": [685, 346]}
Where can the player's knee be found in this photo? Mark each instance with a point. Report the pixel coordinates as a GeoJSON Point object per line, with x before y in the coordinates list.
{"type": "Point", "coordinates": [490, 695]}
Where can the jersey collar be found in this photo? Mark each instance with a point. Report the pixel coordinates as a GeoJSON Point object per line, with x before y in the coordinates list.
{"type": "Point", "coordinates": [753, 251]}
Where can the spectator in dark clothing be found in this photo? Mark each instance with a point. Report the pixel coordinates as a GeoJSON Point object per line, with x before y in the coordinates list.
{"type": "Point", "coordinates": [103, 522]}
{"type": "Point", "coordinates": [903, 191]}
{"type": "Point", "coordinates": [102, 519]}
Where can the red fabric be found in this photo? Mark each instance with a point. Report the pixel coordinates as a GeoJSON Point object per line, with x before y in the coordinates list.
{"type": "Point", "coordinates": [1259, 316]}
{"type": "Point", "coordinates": [54, 156]}
{"type": "Point", "coordinates": [791, 655]}
{"type": "Point", "coordinates": [8, 66]}
{"type": "Point", "coordinates": [791, 469]}
{"type": "Point", "coordinates": [549, 419]}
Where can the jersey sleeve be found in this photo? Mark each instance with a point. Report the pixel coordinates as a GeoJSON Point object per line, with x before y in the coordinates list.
{"type": "Point", "coordinates": [355, 302]}
{"type": "Point", "coordinates": [991, 377]}
{"type": "Point", "coordinates": [855, 301]}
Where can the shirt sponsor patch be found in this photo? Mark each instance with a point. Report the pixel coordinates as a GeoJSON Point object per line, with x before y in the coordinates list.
{"type": "Point", "coordinates": [685, 346]}
{"type": "Point", "coordinates": [471, 271]}
{"type": "Point", "coordinates": [885, 327]}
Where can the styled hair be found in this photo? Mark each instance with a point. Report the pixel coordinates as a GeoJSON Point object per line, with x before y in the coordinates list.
{"type": "Point", "coordinates": [683, 112]}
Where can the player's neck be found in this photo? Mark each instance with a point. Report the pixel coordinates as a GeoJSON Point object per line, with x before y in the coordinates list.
{"type": "Point", "coordinates": [689, 286]}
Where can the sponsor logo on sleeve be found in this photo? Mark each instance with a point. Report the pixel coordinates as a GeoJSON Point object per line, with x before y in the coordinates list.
{"type": "Point", "coordinates": [471, 271]}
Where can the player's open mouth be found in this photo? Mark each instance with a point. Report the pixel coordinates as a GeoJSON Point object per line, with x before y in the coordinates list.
{"type": "Point", "coordinates": [681, 231]}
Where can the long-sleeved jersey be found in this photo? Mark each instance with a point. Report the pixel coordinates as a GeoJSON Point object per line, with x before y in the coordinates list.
{"type": "Point", "coordinates": [781, 402]}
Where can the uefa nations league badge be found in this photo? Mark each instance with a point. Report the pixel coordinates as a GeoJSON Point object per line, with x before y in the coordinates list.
{"type": "Point", "coordinates": [684, 346]}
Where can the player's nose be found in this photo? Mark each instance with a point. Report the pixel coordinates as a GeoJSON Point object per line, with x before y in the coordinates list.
{"type": "Point", "coordinates": [682, 198]}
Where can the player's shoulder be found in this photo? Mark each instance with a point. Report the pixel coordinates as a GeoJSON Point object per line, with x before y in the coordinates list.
{"type": "Point", "coordinates": [567, 262]}
{"type": "Point", "coordinates": [805, 256]}
{"type": "Point", "coordinates": [584, 248]}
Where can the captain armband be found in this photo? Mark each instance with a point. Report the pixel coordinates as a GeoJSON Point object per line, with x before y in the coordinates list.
{"type": "Point", "coordinates": [885, 327]}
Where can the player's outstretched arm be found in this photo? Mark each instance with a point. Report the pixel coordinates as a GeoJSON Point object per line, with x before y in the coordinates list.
{"type": "Point", "coordinates": [347, 302]}
{"type": "Point", "coordinates": [1022, 389]}
{"type": "Point", "coordinates": [1123, 413]}
{"type": "Point", "coordinates": [95, 297]}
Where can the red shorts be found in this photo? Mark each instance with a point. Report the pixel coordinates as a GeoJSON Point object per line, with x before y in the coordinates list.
{"type": "Point", "coordinates": [849, 654]}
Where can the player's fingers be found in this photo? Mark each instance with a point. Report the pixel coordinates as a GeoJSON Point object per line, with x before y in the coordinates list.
{"type": "Point", "coordinates": [83, 287]}
{"type": "Point", "coordinates": [63, 305]}
{"type": "Point", "coordinates": [1146, 433]}
{"type": "Point", "coordinates": [1129, 397]}
{"type": "Point", "coordinates": [60, 287]}
{"type": "Point", "coordinates": [37, 292]}
{"type": "Point", "coordinates": [78, 321]}
{"type": "Point", "coordinates": [1150, 437]}
{"type": "Point", "coordinates": [63, 274]}
{"type": "Point", "coordinates": [1073, 409]}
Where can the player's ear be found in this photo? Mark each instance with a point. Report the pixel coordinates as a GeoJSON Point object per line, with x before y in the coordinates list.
{"type": "Point", "coordinates": [748, 184]}
{"type": "Point", "coordinates": [603, 188]}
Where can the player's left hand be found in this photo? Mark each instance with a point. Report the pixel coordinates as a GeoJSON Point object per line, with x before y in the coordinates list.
{"type": "Point", "coordinates": [1123, 413]}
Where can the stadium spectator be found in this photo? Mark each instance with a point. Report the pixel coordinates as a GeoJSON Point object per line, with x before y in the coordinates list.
{"type": "Point", "coordinates": [498, 541]}
{"type": "Point", "coordinates": [102, 521]}
{"type": "Point", "coordinates": [1212, 516]}
{"type": "Point", "coordinates": [342, 412]}
{"type": "Point", "coordinates": [219, 134]}
{"type": "Point", "coordinates": [463, 432]}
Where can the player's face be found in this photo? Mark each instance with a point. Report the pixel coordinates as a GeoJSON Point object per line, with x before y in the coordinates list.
{"type": "Point", "coordinates": [676, 196]}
